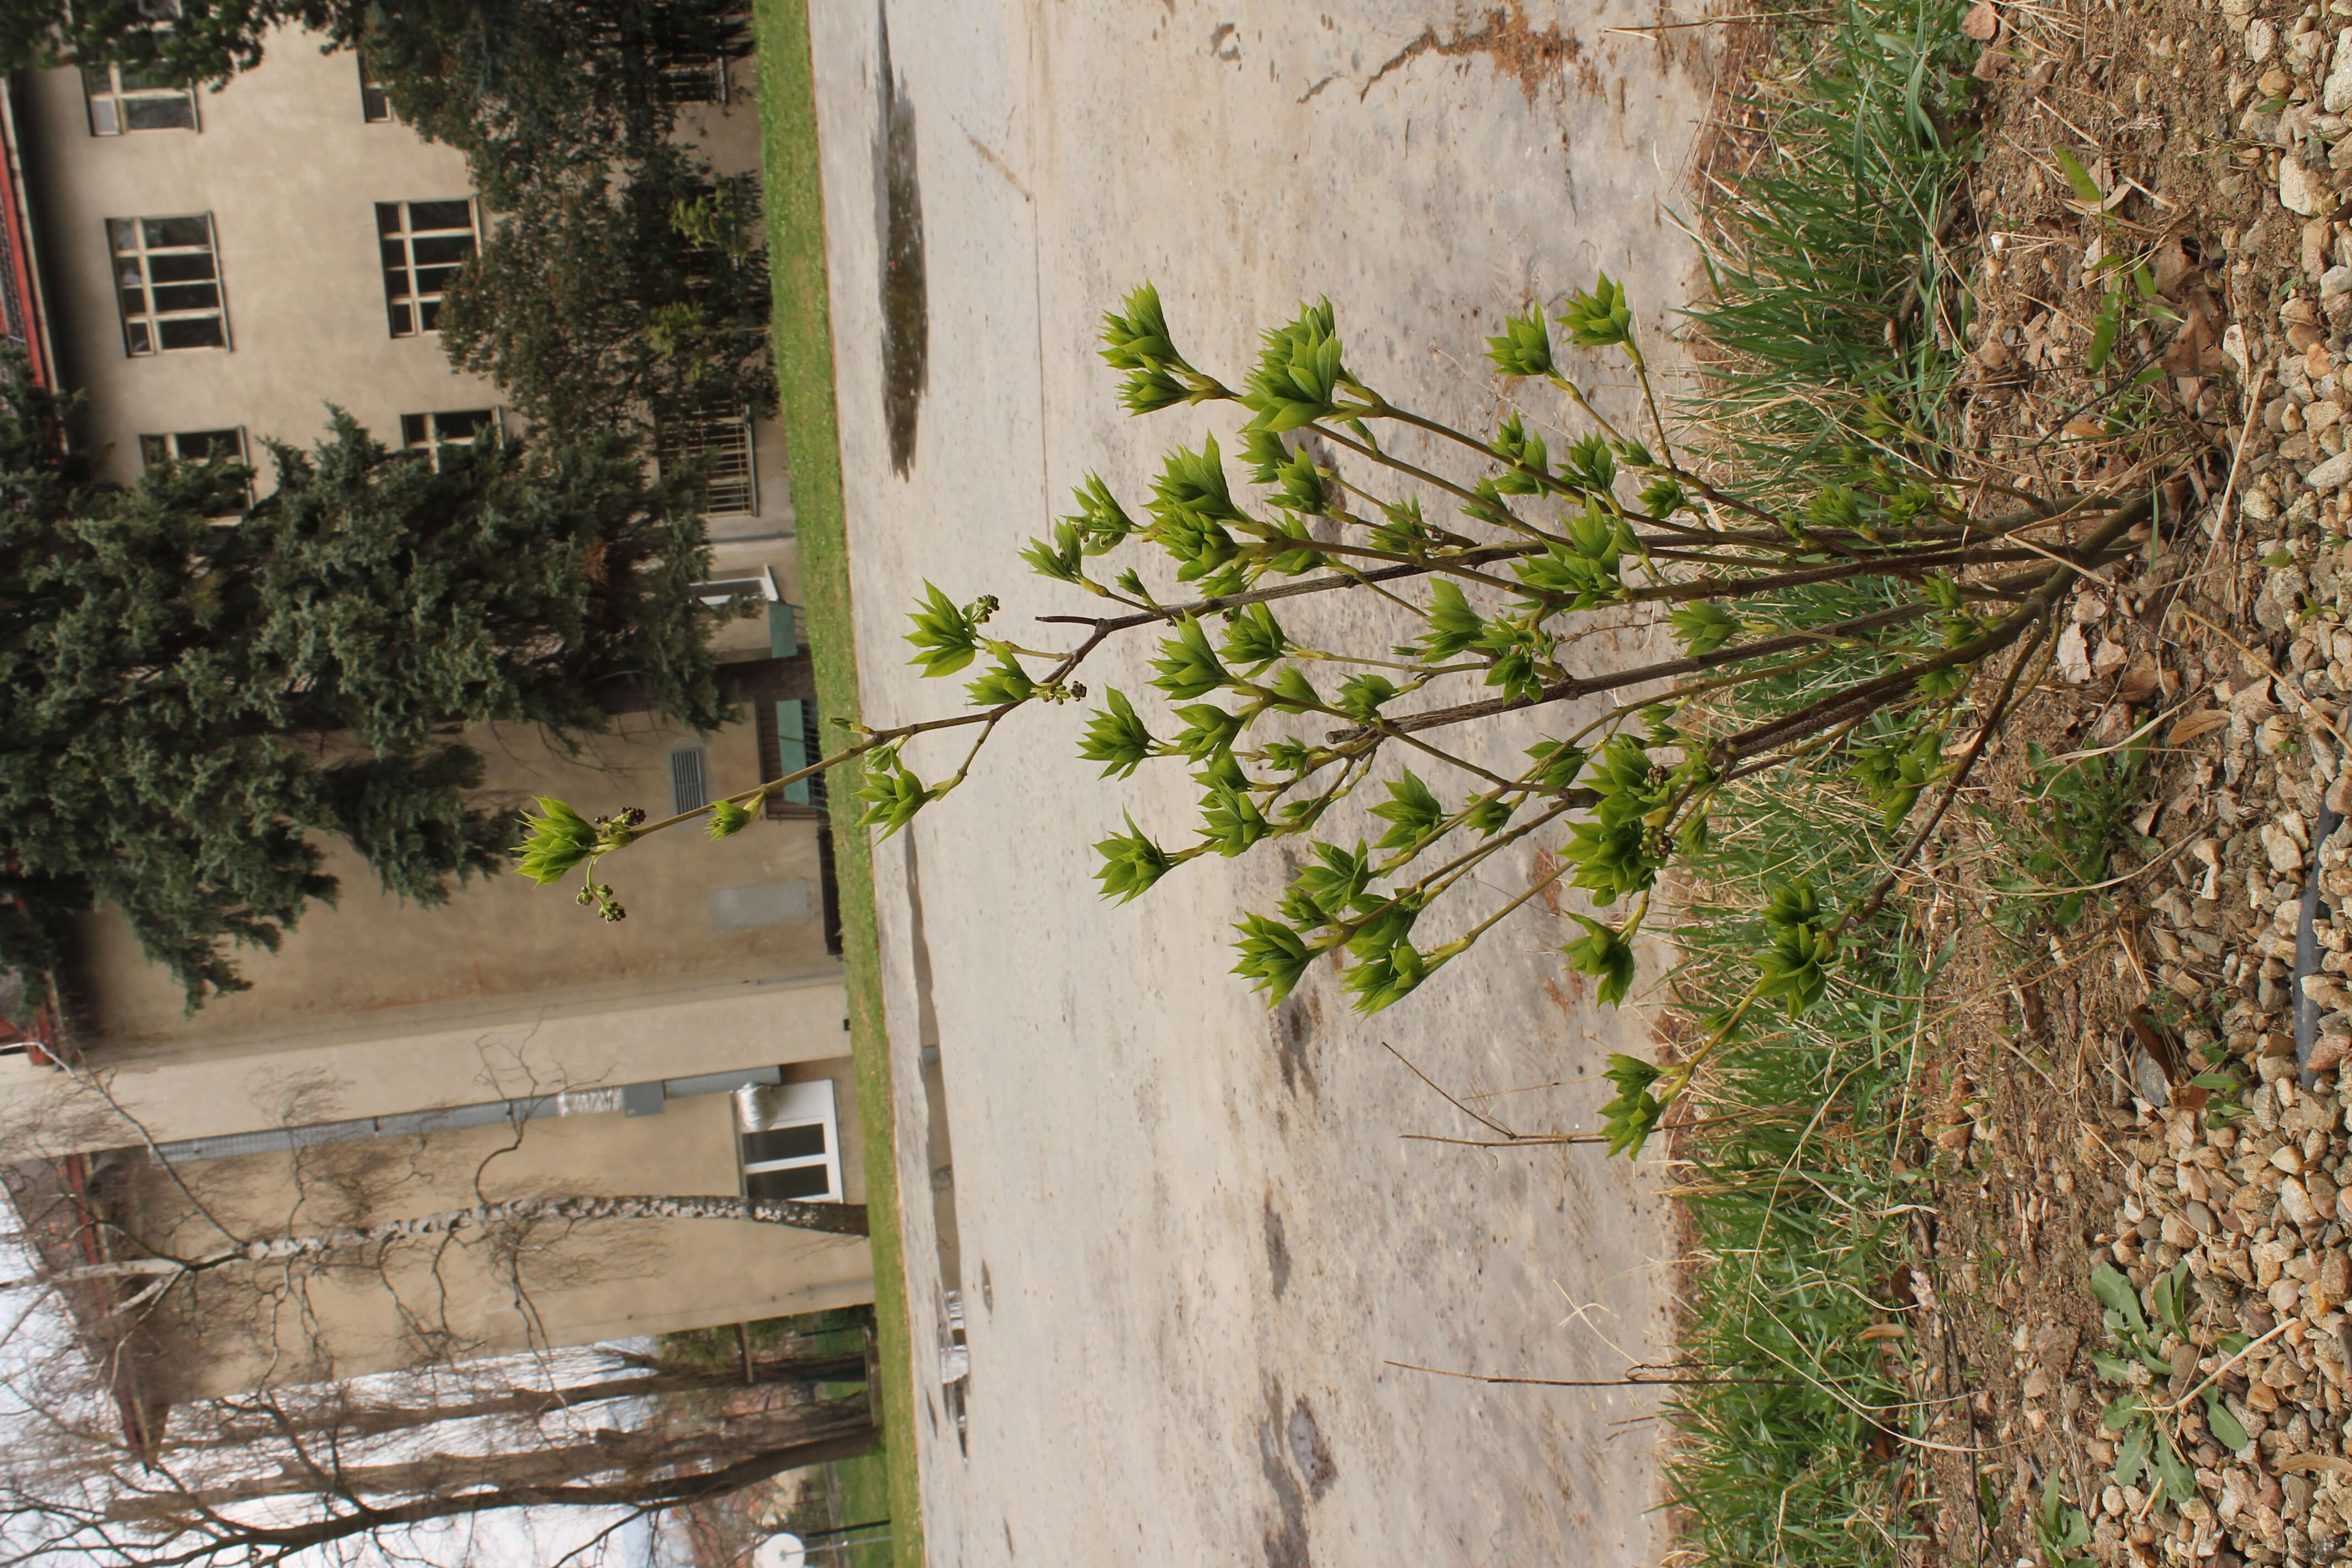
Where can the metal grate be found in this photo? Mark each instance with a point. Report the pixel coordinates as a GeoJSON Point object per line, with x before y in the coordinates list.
{"type": "Point", "coordinates": [689, 785]}
{"type": "Point", "coordinates": [723, 444]}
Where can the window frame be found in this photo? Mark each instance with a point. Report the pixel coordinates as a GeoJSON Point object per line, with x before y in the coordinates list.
{"type": "Point", "coordinates": [114, 96]}
{"type": "Point", "coordinates": [490, 432]}
{"type": "Point", "coordinates": [782, 1107]}
{"type": "Point", "coordinates": [691, 434]}
{"type": "Point", "coordinates": [150, 457]}
{"type": "Point", "coordinates": [375, 103]}
{"type": "Point", "coordinates": [419, 306]}
{"type": "Point", "coordinates": [151, 320]}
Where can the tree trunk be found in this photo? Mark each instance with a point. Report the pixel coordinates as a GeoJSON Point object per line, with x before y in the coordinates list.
{"type": "Point", "coordinates": [644, 1459]}
{"type": "Point", "coordinates": [244, 1423]}
{"type": "Point", "coordinates": [836, 1219]}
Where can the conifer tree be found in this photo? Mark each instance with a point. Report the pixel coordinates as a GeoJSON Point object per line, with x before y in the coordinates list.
{"type": "Point", "coordinates": [197, 692]}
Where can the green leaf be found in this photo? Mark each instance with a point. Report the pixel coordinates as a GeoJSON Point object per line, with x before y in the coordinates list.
{"type": "Point", "coordinates": [1187, 666]}
{"type": "Point", "coordinates": [726, 819]}
{"type": "Point", "coordinates": [1454, 626]}
{"type": "Point", "coordinates": [2115, 1288]}
{"type": "Point", "coordinates": [946, 638]}
{"type": "Point", "coordinates": [2179, 1479]}
{"type": "Point", "coordinates": [1336, 879]}
{"type": "Point", "coordinates": [1209, 731]}
{"type": "Point", "coordinates": [1230, 817]}
{"type": "Point", "coordinates": [1135, 336]}
{"type": "Point", "coordinates": [1386, 975]}
{"type": "Point", "coordinates": [1116, 737]}
{"type": "Point", "coordinates": [1274, 958]}
{"type": "Point", "coordinates": [2105, 328]}
{"type": "Point", "coordinates": [1007, 682]}
{"type": "Point", "coordinates": [1131, 863]}
{"type": "Point", "coordinates": [1599, 317]}
{"type": "Point", "coordinates": [1524, 346]}
{"type": "Point", "coordinates": [1292, 691]}
{"type": "Point", "coordinates": [1253, 640]}
{"type": "Point", "coordinates": [1360, 696]}
{"type": "Point", "coordinates": [1412, 812]}
{"type": "Point", "coordinates": [1633, 1116]}
{"type": "Point", "coordinates": [892, 794]}
{"type": "Point", "coordinates": [2227, 1429]}
{"type": "Point", "coordinates": [2086, 189]}
{"type": "Point", "coordinates": [1603, 953]}
{"type": "Point", "coordinates": [553, 842]}
{"type": "Point", "coordinates": [1703, 627]}
{"type": "Point", "coordinates": [2171, 1304]}
{"type": "Point", "coordinates": [2131, 1452]}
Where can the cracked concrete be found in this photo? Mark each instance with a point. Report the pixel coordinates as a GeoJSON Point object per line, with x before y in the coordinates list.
{"type": "Point", "coordinates": [1190, 1237]}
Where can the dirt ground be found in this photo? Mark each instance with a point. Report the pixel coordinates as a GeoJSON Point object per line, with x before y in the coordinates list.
{"type": "Point", "coordinates": [2067, 1134]}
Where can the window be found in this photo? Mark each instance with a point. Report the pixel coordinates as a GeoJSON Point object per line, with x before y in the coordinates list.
{"type": "Point", "coordinates": [192, 446]}
{"type": "Point", "coordinates": [376, 105]}
{"type": "Point", "coordinates": [168, 283]}
{"type": "Point", "coordinates": [693, 78]}
{"type": "Point", "coordinates": [449, 430]}
{"type": "Point", "coordinates": [423, 243]}
{"type": "Point", "coordinates": [121, 100]}
{"type": "Point", "coordinates": [789, 1142]}
{"type": "Point", "coordinates": [722, 442]}
{"type": "Point", "coordinates": [690, 780]}
{"type": "Point", "coordinates": [720, 592]}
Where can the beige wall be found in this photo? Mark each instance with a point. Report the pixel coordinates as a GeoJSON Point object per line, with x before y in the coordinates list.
{"type": "Point", "coordinates": [372, 1006]}
{"type": "Point", "coordinates": [435, 1298]}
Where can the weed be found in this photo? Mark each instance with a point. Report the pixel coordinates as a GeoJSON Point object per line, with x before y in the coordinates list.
{"type": "Point", "coordinates": [2058, 843]}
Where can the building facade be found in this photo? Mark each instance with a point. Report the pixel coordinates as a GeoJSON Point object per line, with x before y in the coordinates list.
{"type": "Point", "coordinates": [211, 269]}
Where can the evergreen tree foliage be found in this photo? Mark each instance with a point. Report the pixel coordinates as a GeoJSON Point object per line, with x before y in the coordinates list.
{"type": "Point", "coordinates": [606, 294]}
{"type": "Point", "coordinates": [196, 692]}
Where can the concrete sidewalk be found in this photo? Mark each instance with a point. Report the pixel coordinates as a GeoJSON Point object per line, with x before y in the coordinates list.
{"type": "Point", "coordinates": [1185, 1233]}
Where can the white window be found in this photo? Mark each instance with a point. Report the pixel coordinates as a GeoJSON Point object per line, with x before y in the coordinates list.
{"type": "Point", "coordinates": [423, 245]}
{"type": "Point", "coordinates": [192, 446]}
{"type": "Point", "coordinates": [690, 780]}
{"type": "Point", "coordinates": [168, 281]}
{"type": "Point", "coordinates": [121, 100]}
{"type": "Point", "coordinates": [723, 443]}
{"type": "Point", "coordinates": [788, 1140]}
{"type": "Point", "coordinates": [448, 430]}
{"type": "Point", "coordinates": [720, 592]}
{"type": "Point", "coordinates": [375, 104]}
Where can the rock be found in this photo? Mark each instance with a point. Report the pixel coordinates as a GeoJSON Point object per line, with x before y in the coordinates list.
{"type": "Point", "coordinates": [2199, 1218]}
{"type": "Point", "coordinates": [2302, 192]}
{"type": "Point", "coordinates": [2074, 649]}
{"type": "Point", "coordinates": [2335, 93]}
{"type": "Point", "coordinates": [2331, 474]}
{"type": "Point", "coordinates": [2294, 1198]}
{"type": "Point", "coordinates": [2285, 854]}
{"type": "Point", "coordinates": [2322, 1192]}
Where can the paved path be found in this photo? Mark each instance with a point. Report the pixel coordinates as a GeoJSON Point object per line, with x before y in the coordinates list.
{"type": "Point", "coordinates": [1187, 1233]}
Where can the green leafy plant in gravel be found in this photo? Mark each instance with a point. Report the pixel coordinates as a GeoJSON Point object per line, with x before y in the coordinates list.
{"type": "Point", "coordinates": [2148, 1446]}
{"type": "Point", "coordinates": [2058, 841]}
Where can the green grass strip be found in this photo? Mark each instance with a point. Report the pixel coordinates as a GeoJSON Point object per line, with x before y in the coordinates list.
{"type": "Point", "coordinates": [1829, 267]}
{"type": "Point", "coordinates": [803, 334]}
